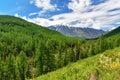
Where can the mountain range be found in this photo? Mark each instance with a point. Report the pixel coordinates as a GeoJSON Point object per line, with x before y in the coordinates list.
{"type": "Point", "coordinates": [86, 33]}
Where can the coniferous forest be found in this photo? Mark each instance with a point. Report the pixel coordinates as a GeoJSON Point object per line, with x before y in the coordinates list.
{"type": "Point", "coordinates": [28, 50]}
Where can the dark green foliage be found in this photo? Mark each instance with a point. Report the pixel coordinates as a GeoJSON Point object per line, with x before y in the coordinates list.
{"type": "Point", "coordinates": [28, 50]}
{"type": "Point", "coordinates": [11, 68]}
{"type": "Point", "coordinates": [39, 61]}
{"type": "Point", "coordinates": [113, 32]}
{"type": "Point", "coordinates": [1, 69]}
{"type": "Point", "coordinates": [22, 65]}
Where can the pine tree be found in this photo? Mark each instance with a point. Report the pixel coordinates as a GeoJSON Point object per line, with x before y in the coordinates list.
{"type": "Point", "coordinates": [59, 60]}
{"type": "Point", "coordinates": [50, 60]}
{"type": "Point", "coordinates": [1, 69]}
{"type": "Point", "coordinates": [102, 44]}
{"type": "Point", "coordinates": [39, 61]}
{"type": "Point", "coordinates": [91, 50]}
{"type": "Point", "coordinates": [10, 67]}
{"type": "Point", "coordinates": [59, 57]}
{"type": "Point", "coordinates": [22, 65]}
{"type": "Point", "coordinates": [49, 56]}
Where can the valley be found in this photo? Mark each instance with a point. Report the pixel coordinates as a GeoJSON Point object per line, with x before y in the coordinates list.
{"type": "Point", "coordinates": [30, 51]}
{"type": "Point", "coordinates": [60, 40]}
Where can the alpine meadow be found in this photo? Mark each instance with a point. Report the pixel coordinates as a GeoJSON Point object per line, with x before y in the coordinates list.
{"type": "Point", "coordinates": [60, 40]}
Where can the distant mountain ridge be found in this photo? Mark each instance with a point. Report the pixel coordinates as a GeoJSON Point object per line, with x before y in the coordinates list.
{"type": "Point", "coordinates": [86, 33]}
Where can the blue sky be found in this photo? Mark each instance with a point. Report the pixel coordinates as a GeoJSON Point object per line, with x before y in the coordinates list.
{"type": "Point", "coordinates": [98, 14]}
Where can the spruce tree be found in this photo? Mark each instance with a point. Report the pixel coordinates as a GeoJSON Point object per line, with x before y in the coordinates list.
{"type": "Point", "coordinates": [39, 61]}
{"type": "Point", "coordinates": [10, 67]}
{"type": "Point", "coordinates": [1, 69]}
{"type": "Point", "coordinates": [22, 65]}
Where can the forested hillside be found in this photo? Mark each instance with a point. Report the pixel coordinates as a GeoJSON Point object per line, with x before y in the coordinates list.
{"type": "Point", "coordinates": [104, 66]}
{"type": "Point", "coordinates": [113, 32]}
{"type": "Point", "coordinates": [28, 50]}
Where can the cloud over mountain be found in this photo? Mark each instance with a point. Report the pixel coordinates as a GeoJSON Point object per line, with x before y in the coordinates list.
{"type": "Point", "coordinates": [84, 13]}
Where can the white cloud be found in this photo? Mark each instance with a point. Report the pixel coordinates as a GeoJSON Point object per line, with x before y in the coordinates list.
{"type": "Point", "coordinates": [84, 14]}
{"type": "Point", "coordinates": [99, 16]}
{"type": "Point", "coordinates": [79, 5]}
{"type": "Point", "coordinates": [23, 17]}
{"type": "Point", "coordinates": [108, 5]}
{"type": "Point", "coordinates": [34, 13]}
{"type": "Point", "coordinates": [45, 5]}
{"type": "Point", "coordinates": [16, 15]}
{"type": "Point", "coordinates": [40, 21]}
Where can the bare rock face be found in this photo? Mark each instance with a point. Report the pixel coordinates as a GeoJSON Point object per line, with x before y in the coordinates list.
{"type": "Point", "coordinates": [86, 33]}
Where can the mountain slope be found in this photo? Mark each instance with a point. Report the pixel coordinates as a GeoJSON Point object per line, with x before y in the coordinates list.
{"type": "Point", "coordinates": [27, 48]}
{"type": "Point", "coordinates": [11, 21]}
{"type": "Point", "coordinates": [113, 32]}
{"type": "Point", "coordinates": [77, 31]}
{"type": "Point", "coordinates": [105, 66]}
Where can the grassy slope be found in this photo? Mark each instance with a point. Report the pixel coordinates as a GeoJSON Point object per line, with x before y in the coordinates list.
{"type": "Point", "coordinates": [105, 66]}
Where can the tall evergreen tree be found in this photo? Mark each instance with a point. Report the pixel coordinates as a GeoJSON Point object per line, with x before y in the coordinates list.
{"type": "Point", "coordinates": [22, 65]}
{"type": "Point", "coordinates": [11, 67]}
{"type": "Point", "coordinates": [49, 56]}
{"type": "Point", "coordinates": [39, 61]}
{"type": "Point", "coordinates": [1, 69]}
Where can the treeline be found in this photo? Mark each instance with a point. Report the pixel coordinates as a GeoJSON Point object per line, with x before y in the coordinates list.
{"type": "Point", "coordinates": [27, 50]}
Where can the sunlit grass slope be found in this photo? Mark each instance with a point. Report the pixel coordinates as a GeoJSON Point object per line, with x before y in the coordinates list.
{"type": "Point", "coordinates": [105, 66]}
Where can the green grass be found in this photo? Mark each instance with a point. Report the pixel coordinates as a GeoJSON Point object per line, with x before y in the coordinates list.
{"type": "Point", "coordinates": [105, 66]}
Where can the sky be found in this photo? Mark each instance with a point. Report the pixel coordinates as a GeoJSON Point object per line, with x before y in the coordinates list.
{"type": "Point", "coordinates": [98, 14]}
